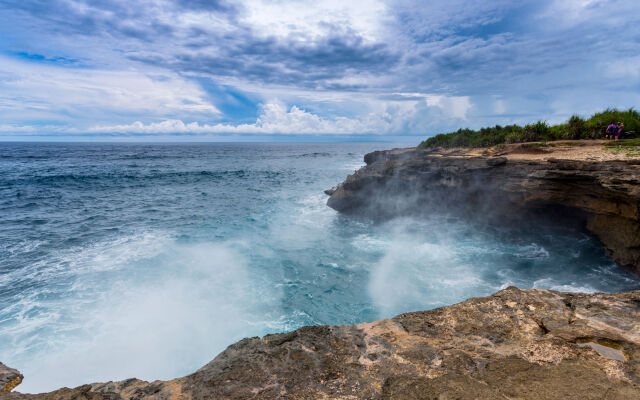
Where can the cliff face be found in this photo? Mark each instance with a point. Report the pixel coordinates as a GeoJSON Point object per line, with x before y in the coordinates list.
{"type": "Point", "coordinates": [525, 344]}
{"type": "Point", "coordinates": [605, 195]}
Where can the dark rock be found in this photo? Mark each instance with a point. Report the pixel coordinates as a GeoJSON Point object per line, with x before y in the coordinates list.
{"type": "Point", "coordinates": [604, 196]}
{"type": "Point", "coordinates": [370, 158]}
{"type": "Point", "coordinates": [496, 161]}
{"type": "Point", "coordinates": [331, 191]}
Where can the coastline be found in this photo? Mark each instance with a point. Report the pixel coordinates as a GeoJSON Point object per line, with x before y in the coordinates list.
{"type": "Point", "coordinates": [525, 343]}
{"type": "Point", "coordinates": [582, 182]}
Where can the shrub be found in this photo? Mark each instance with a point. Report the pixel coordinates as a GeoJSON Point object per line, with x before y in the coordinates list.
{"type": "Point", "coordinates": [575, 128]}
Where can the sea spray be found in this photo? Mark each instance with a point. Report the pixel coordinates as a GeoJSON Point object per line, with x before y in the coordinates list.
{"type": "Point", "coordinates": [147, 260]}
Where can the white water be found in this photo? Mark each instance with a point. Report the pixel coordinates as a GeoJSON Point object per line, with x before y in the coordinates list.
{"type": "Point", "coordinates": [153, 260]}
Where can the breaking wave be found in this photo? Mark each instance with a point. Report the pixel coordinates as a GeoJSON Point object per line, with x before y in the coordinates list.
{"type": "Point", "coordinates": [148, 260]}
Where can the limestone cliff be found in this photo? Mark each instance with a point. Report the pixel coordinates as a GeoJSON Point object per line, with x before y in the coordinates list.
{"type": "Point", "coordinates": [602, 191]}
{"type": "Point", "coordinates": [516, 344]}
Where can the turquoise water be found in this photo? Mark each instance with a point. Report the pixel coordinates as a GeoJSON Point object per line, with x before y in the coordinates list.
{"type": "Point", "coordinates": [138, 260]}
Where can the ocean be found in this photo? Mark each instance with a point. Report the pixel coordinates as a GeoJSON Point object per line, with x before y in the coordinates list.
{"type": "Point", "coordinates": [147, 260]}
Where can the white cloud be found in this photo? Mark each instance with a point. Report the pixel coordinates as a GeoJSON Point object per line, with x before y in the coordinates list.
{"type": "Point", "coordinates": [309, 19]}
{"type": "Point", "coordinates": [604, 13]}
{"type": "Point", "coordinates": [573, 11]}
{"type": "Point", "coordinates": [21, 129]}
{"type": "Point", "coordinates": [452, 106]}
{"type": "Point", "coordinates": [41, 91]}
{"type": "Point", "coordinates": [391, 117]}
{"type": "Point", "coordinates": [457, 106]}
{"type": "Point", "coordinates": [499, 107]}
{"type": "Point", "coordinates": [623, 67]}
{"type": "Point", "coordinates": [457, 63]}
{"type": "Point", "coordinates": [275, 118]}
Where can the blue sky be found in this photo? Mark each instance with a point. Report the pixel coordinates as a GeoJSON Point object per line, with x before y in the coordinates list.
{"type": "Point", "coordinates": [269, 69]}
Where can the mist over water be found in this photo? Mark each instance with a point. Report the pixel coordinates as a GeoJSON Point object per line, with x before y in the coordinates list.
{"type": "Point", "coordinates": [137, 260]}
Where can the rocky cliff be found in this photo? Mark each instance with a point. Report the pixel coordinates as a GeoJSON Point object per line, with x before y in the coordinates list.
{"type": "Point", "coordinates": [9, 378]}
{"type": "Point", "coordinates": [580, 181]}
{"type": "Point", "coordinates": [516, 344]}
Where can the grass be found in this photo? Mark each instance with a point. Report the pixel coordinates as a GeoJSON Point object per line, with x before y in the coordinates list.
{"type": "Point", "coordinates": [624, 143]}
{"type": "Point", "coordinates": [575, 128]}
{"type": "Point", "coordinates": [535, 145]}
{"type": "Point", "coordinates": [630, 147]}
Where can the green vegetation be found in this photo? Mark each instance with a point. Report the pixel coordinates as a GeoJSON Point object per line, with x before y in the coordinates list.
{"type": "Point", "coordinates": [575, 128]}
{"type": "Point", "coordinates": [630, 147]}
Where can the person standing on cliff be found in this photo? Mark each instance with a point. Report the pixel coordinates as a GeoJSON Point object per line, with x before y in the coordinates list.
{"type": "Point", "coordinates": [387, 158]}
{"type": "Point", "coordinates": [611, 130]}
{"type": "Point", "coordinates": [619, 130]}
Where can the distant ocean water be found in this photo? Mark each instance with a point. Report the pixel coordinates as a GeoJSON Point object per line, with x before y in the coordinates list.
{"type": "Point", "coordinates": [146, 260]}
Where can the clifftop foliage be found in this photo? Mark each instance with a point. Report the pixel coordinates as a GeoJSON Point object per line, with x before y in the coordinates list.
{"type": "Point", "coordinates": [575, 128]}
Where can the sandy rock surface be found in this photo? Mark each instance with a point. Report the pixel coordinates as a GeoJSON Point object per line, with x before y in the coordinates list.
{"type": "Point", "coordinates": [515, 344]}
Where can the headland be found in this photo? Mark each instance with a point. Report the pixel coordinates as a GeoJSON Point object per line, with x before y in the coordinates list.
{"type": "Point", "coordinates": [594, 184]}
{"type": "Point", "coordinates": [525, 344]}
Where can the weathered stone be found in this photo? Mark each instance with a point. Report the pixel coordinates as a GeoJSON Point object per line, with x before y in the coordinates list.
{"type": "Point", "coordinates": [9, 378]}
{"type": "Point", "coordinates": [524, 344]}
{"type": "Point", "coordinates": [496, 161]}
{"type": "Point", "coordinates": [329, 192]}
{"type": "Point", "coordinates": [605, 194]}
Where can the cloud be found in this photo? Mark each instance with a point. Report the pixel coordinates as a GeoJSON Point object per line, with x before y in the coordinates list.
{"type": "Point", "coordinates": [37, 91]}
{"type": "Point", "coordinates": [341, 65]}
{"type": "Point", "coordinates": [309, 20]}
{"type": "Point", "coordinates": [627, 68]}
{"type": "Point", "coordinates": [276, 118]}
{"type": "Point", "coordinates": [270, 42]}
{"type": "Point", "coordinates": [269, 61]}
{"type": "Point", "coordinates": [455, 106]}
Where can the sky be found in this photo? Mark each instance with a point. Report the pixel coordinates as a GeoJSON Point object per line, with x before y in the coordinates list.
{"type": "Point", "coordinates": [308, 70]}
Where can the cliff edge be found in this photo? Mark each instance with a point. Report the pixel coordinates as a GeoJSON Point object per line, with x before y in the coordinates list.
{"type": "Point", "coordinates": [524, 344]}
{"type": "Point", "coordinates": [598, 187]}
{"type": "Point", "coordinates": [9, 378]}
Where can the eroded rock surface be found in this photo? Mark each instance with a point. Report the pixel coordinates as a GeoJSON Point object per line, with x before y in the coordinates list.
{"type": "Point", "coordinates": [605, 193]}
{"type": "Point", "coordinates": [9, 378]}
{"type": "Point", "coordinates": [515, 344]}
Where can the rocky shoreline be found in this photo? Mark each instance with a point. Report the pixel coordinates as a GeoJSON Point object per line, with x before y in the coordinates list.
{"type": "Point", "coordinates": [9, 378]}
{"type": "Point", "coordinates": [579, 181]}
{"type": "Point", "coordinates": [524, 344]}
{"type": "Point", "coordinates": [515, 344]}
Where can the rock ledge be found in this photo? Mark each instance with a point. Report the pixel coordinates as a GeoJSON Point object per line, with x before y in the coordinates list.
{"type": "Point", "coordinates": [524, 344]}
{"type": "Point", "coordinates": [9, 378]}
{"type": "Point", "coordinates": [604, 195]}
